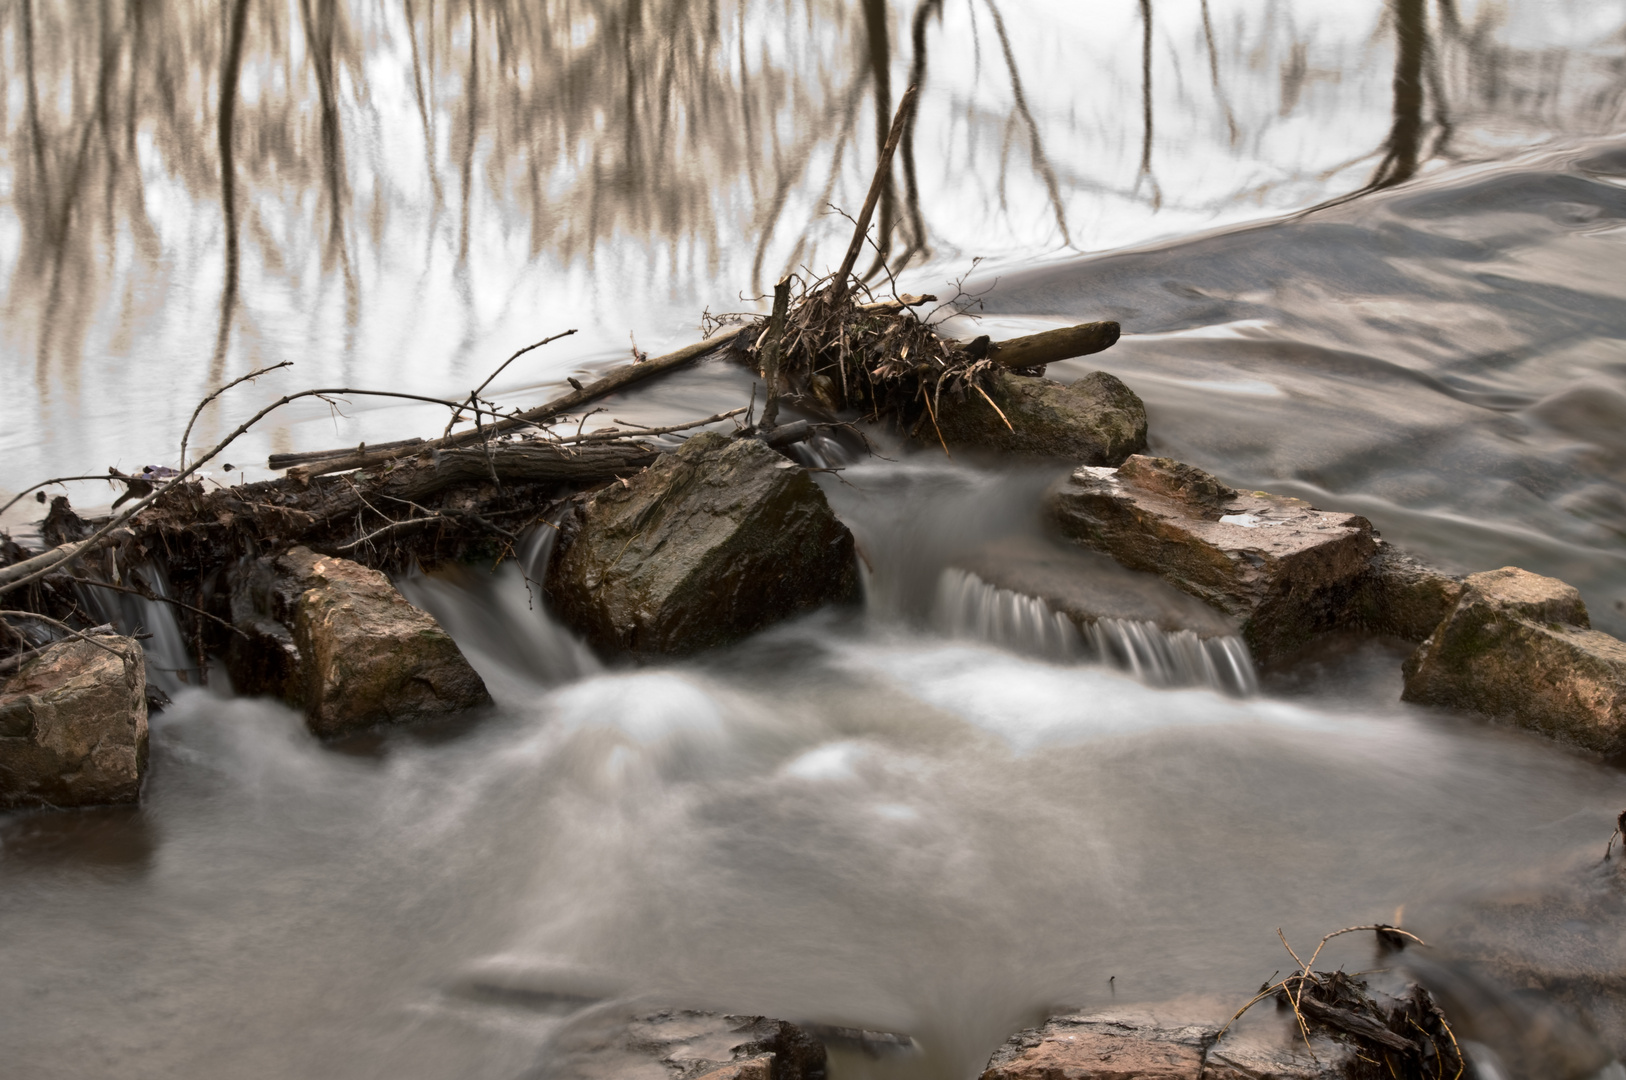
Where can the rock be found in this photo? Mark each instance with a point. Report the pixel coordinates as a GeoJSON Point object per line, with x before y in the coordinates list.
{"type": "Point", "coordinates": [336, 638]}
{"type": "Point", "coordinates": [681, 1044]}
{"type": "Point", "coordinates": [1518, 646]}
{"type": "Point", "coordinates": [1400, 596]}
{"type": "Point", "coordinates": [705, 546]}
{"type": "Point", "coordinates": [1283, 568]}
{"type": "Point", "coordinates": [1173, 1042]}
{"type": "Point", "coordinates": [1096, 420]}
{"type": "Point", "coordinates": [73, 726]}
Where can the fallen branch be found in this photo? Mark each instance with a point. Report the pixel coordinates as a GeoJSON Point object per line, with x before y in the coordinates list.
{"type": "Point", "coordinates": [1408, 1035]}
{"type": "Point", "coordinates": [1053, 346]}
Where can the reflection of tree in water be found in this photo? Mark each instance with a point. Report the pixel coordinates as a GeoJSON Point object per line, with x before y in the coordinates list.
{"type": "Point", "coordinates": [578, 125]}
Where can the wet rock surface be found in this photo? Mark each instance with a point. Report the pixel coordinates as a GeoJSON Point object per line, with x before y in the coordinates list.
{"type": "Point", "coordinates": [1285, 569]}
{"type": "Point", "coordinates": [337, 639]}
{"type": "Point", "coordinates": [1172, 1042]}
{"type": "Point", "coordinates": [681, 1044]}
{"type": "Point", "coordinates": [1518, 646]}
{"type": "Point", "coordinates": [707, 545]}
{"type": "Point", "coordinates": [1401, 596]}
{"type": "Point", "coordinates": [73, 725]}
{"type": "Point", "coordinates": [1096, 420]}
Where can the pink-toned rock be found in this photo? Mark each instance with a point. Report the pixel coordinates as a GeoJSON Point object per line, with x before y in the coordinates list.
{"type": "Point", "coordinates": [337, 639]}
{"type": "Point", "coordinates": [1520, 647]}
{"type": "Point", "coordinates": [1174, 1041]}
{"type": "Point", "coordinates": [73, 725]}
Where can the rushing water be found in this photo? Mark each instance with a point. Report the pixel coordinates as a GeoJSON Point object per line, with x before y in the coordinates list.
{"type": "Point", "coordinates": [862, 817]}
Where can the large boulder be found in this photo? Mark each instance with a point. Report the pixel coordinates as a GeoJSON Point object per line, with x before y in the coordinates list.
{"type": "Point", "coordinates": [1173, 1042]}
{"type": "Point", "coordinates": [73, 725]}
{"type": "Point", "coordinates": [1520, 647]}
{"type": "Point", "coordinates": [681, 1044]}
{"type": "Point", "coordinates": [705, 546]}
{"type": "Point", "coordinates": [1285, 569]}
{"type": "Point", "coordinates": [1095, 421]}
{"type": "Point", "coordinates": [336, 638]}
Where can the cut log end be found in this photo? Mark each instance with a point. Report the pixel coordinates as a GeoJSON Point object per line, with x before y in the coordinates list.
{"type": "Point", "coordinates": [1052, 346]}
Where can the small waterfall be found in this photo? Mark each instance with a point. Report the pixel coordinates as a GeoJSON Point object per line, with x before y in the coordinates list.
{"type": "Point", "coordinates": [501, 621]}
{"type": "Point", "coordinates": [968, 606]}
{"type": "Point", "coordinates": [171, 661]}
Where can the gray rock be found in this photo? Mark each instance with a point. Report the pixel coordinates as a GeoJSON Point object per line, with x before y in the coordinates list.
{"type": "Point", "coordinates": [1175, 1041]}
{"type": "Point", "coordinates": [1285, 569]}
{"type": "Point", "coordinates": [1518, 646]}
{"type": "Point", "coordinates": [73, 726]}
{"type": "Point", "coordinates": [1095, 421]}
{"type": "Point", "coordinates": [681, 1044]}
{"type": "Point", "coordinates": [705, 546]}
{"type": "Point", "coordinates": [337, 639]}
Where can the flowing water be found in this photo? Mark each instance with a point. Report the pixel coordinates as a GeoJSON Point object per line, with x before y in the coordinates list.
{"type": "Point", "coordinates": [1368, 254]}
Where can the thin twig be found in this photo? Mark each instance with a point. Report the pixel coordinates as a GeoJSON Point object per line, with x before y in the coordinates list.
{"type": "Point", "coordinates": [47, 483]}
{"type": "Point", "coordinates": [62, 626]}
{"type": "Point", "coordinates": [474, 395]}
{"type": "Point", "coordinates": [256, 373]}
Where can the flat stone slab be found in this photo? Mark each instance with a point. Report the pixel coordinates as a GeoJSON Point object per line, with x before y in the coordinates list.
{"type": "Point", "coordinates": [681, 1044]}
{"type": "Point", "coordinates": [1168, 1042]}
{"type": "Point", "coordinates": [702, 548]}
{"type": "Point", "coordinates": [1096, 420]}
{"type": "Point", "coordinates": [73, 725]}
{"type": "Point", "coordinates": [1283, 568]}
{"type": "Point", "coordinates": [1518, 646]}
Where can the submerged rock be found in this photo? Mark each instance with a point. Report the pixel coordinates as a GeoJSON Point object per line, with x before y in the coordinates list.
{"type": "Point", "coordinates": [1064, 603]}
{"type": "Point", "coordinates": [705, 546]}
{"type": "Point", "coordinates": [1175, 1042]}
{"type": "Point", "coordinates": [1519, 646]}
{"type": "Point", "coordinates": [1285, 569]}
{"type": "Point", "coordinates": [681, 1044]}
{"type": "Point", "coordinates": [1088, 586]}
{"type": "Point", "coordinates": [336, 638]}
{"type": "Point", "coordinates": [73, 725]}
{"type": "Point", "coordinates": [1096, 420]}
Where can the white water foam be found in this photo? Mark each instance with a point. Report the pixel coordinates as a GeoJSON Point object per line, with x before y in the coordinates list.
{"type": "Point", "coordinates": [969, 607]}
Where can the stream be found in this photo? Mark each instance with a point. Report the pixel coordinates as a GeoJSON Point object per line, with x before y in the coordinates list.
{"type": "Point", "coordinates": [1371, 257]}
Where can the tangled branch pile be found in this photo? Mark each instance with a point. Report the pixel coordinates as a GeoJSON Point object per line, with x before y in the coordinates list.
{"type": "Point", "coordinates": [1404, 1037]}
{"type": "Point", "coordinates": [879, 359]}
